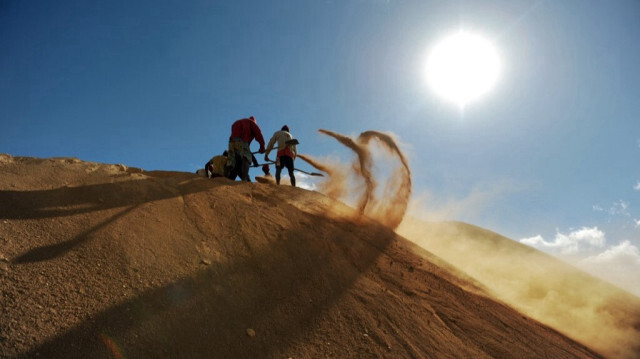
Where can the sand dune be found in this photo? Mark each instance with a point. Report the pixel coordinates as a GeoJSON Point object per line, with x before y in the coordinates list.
{"type": "Point", "coordinates": [549, 290]}
{"type": "Point", "coordinates": [570, 300]}
{"type": "Point", "coordinates": [105, 261]}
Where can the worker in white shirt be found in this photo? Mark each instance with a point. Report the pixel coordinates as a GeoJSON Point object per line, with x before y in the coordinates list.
{"type": "Point", "coordinates": [286, 153]}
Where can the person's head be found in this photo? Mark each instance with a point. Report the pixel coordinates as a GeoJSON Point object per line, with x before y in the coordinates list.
{"type": "Point", "coordinates": [285, 128]}
{"type": "Point", "coordinates": [225, 153]}
{"type": "Point", "coordinates": [252, 118]}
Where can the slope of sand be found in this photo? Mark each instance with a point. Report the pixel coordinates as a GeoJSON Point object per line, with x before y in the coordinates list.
{"type": "Point", "coordinates": [547, 289]}
{"type": "Point", "coordinates": [105, 261]}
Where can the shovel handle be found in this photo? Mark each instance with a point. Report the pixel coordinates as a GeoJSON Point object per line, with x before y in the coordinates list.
{"type": "Point", "coordinates": [309, 173]}
{"type": "Point", "coordinates": [262, 164]}
{"type": "Point", "coordinates": [290, 142]}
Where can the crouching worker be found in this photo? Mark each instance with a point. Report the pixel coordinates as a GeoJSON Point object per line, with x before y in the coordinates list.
{"type": "Point", "coordinates": [239, 160]}
{"type": "Point", "coordinates": [215, 167]}
{"type": "Point", "coordinates": [286, 153]}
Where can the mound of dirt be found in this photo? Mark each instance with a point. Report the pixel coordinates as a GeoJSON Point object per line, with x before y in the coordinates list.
{"type": "Point", "coordinates": [105, 261]}
{"type": "Point", "coordinates": [539, 285]}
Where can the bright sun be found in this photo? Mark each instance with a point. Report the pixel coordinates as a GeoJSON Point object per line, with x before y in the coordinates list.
{"type": "Point", "coordinates": [462, 67]}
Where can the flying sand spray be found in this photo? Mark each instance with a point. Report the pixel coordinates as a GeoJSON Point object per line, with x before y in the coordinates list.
{"type": "Point", "coordinates": [392, 206]}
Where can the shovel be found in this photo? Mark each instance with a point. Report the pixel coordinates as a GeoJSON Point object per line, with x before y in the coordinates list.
{"type": "Point", "coordinates": [262, 164]}
{"type": "Point", "coordinates": [309, 173]}
{"type": "Point", "coordinates": [295, 169]}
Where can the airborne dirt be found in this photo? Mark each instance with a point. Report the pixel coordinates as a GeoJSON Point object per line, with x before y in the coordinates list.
{"type": "Point", "coordinates": [105, 261]}
{"type": "Point", "coordinates": [390, 207]}
{"type": "Point", "coordinates": [554, 292]}
{"type": "Point", "coordinates": [577, 304]}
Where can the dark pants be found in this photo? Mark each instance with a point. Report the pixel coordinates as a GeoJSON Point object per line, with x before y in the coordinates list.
{"type": "Point", "coordinates": [241, 160]}
{"type": "Point", "coordinates": [286, 161]}
{"type": "Point", "coordinates": [241, 169]}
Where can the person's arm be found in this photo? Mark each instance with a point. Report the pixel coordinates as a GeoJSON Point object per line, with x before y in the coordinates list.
{"type": "Point", "coordinates": [258, 136]}
{"type": "Point", "coordinates": [293, 149]}
{"type": "Point", "coordinates": [270, 147]}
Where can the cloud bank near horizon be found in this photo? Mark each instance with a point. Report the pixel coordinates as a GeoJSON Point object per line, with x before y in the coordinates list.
{"type": "Point", "coordinates": [589, 249]}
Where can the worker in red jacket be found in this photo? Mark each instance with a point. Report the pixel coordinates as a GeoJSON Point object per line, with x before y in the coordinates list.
{"type": "Point", "coordinates": [239, 160]}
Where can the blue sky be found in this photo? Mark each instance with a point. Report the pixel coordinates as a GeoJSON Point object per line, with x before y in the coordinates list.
{"type": "Point", "coordinates": [550, 156]}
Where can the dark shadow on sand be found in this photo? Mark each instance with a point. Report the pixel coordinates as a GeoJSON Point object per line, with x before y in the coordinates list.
{"type": "Point", "coordinates": [278, 290]}
{"type": "Point", "coordinates": [59, 249]}
{"type": "Point", "coordinates": [70, 201]}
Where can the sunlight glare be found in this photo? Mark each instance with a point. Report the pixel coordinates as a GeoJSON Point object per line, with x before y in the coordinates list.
{"type": "Point", "coordinates": [462, 67]}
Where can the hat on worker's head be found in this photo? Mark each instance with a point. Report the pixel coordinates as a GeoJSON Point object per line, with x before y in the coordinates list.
{"type": "Point", "coordinates": [285, 128]}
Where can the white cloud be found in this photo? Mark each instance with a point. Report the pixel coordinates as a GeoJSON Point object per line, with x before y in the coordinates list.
{"type": "Point", "coordinates": [637, 186]}
{"type": "Point", "coordinates": [536, 241]}
{"type": "Point", "coordinates": [637, 222]}
{"type": "Point", "coordinates": [618, 208]}
{"type": "Point", "coordinates": [623, 253]}
{"type": "Point", "coordinates": [584, 238]}
{"type": "Point", "coordinates": [619, 264]}
{"type": "Point", "coordinates": [621, 207]}
{"type": "Point", "coordinates": [302, 180]}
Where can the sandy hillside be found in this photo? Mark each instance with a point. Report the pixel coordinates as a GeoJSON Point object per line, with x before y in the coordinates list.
{"type": "Point", "coordinates": [104, 261]}
{"type": "Point", "coordinates": [583, 307]}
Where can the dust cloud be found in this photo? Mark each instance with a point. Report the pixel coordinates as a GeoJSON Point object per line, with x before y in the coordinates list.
{"type": "Point", "coordinates": [364, 169]}
{"type": "Point", "coordinates": [549, 290]}
{"type": "Point", "coordinates": [335, 186]}
{"type": "Point", "coordinates": [397, 192]}
{"type": "Point", "coordinates": [389, 207]}
{"type": "Point", "coordinates": [542, 287]}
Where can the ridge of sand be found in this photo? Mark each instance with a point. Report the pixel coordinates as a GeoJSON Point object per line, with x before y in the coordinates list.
{"type": "Point", "coordinates": [568, 299]}
{"type": "Point", "coordinates": [104, 261]}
